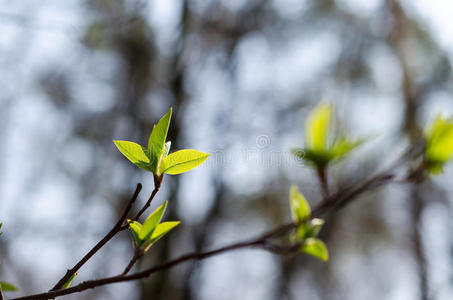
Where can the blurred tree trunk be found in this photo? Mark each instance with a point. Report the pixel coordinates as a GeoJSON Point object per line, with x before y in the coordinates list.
{"type": "Point", "coordinates": [401, 30]}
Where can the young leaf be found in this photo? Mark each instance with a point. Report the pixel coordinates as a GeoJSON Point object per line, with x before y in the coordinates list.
{"type": "Point", "coordinates": [439, 148]}
{"type": "Point", "coordinates": [182, 161]}
{"type": "Point", "coordinates": [316, 248]}
{"type": "Point", "coordinates": [136, 228]}
{"type": "Point", "coordinates": [68, 283]}
{"type": "Point", "coordinates": [318, 127]}
{"type": "Point", "coordinates": [156, 142]}
{"type": "Point", "coordinates": [300, 209]}
{"type": "Point", "coordinates": [314, 227]}
{"type": "Point", "coordinates": [343, 146]}
{"type": "Point", "coordinates": [151, 222]}
{"type": "Point", "coordinates": [134, 152]}
{"type": "Point", "coordinates": [7, 287]}
{"type": "Point", "coordinates": [162, 229]}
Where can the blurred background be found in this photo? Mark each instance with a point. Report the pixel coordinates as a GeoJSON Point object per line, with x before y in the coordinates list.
{"type": "Point", "coordinates": [241, 76]}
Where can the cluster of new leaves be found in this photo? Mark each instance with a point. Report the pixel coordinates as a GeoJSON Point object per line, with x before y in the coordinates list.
{"type": "Point", "coordinates": [5, 286]}
{"type": "Point", "coordinates": [439, 144]}
{"type": "Point", "coordinates": [155, 157]}
{"type": "Point", "coordinates": [322, 146]}
{"type": "Point", "coordinates": [307, 229]}
{"type": "Point", "coordinates": [146, 234]}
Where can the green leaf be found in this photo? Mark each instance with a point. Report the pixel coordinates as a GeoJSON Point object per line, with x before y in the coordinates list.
{"type": "Point", "coordinates": [316, 248]}
{"type": "Point", "coordinates": [8, 287]}
{"type": "Point", "coordinates": [162, 229]}
{"type": "Point", "coordinates": [156, 142]}
{"type": "Point", "coordinates": [136, 228]}
{"type": "Point", "coordinates": [314, 227]}
{"type": "Point", "coordinates": [439, 148]}
{"type": "Point", "coordinates": [68, 283]}
{"type": "Point", "coordinates": [343, 146]}
{"type": "Point", "coordinates": [151, 222]}
{"type": "Point", "coordinates": [300, 209]}
{"type": "Point", "coordinates": [318, 127]}
{"type": "Point", "coordinates": [182, 161]}
{"type": "Point", "coordinates": [135, 153]}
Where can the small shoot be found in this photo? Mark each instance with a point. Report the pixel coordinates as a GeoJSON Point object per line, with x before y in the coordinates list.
{"type": "Point", "coordinates": [439, 144]}
{"type": "Point", "coordinates": [322, 146]}
{"type": "Point", "coordinates": [155, 157]}
{"type": "Point", "coordinates": [300, 209]}
{"type": "Point", "coordinates": [147, 234]}
{"type": "Point", "coordinates": [68, 283]}
{"type": "Point", "coordinates": [315, 247]}
{"type": "Point", "coordinates": [307, 229]}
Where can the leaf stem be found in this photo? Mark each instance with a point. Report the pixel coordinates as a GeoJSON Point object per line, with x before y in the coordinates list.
{"type": "Point", "coordinates": [157, 184]}
{"type": "Point", "coordinates": [322, 176]}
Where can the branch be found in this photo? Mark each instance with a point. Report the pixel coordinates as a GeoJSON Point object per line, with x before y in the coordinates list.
{"type": "Point", "coordinates": [137, 255]}
{"type": "Point", "coordinates": [157, 183]}
{"type": "Point", "coordinates": [333, 203]}
{"type": "Point", "coordinates": [322, 176]}
{"type": "Point", "coordinates": [117, 228]}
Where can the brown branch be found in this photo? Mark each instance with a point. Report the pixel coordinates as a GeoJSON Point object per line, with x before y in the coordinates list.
{"type": "Point", "coordinates": [137, 255]}
{"type": "Point", "coordinates": [323, 180]}
{"type": "Point", "coordinates": [1, 293]}
{"type": "Point", "coordinates": [333, 203]}
{"type": "Point", "coordinates": [157, 183]}
{"type": "Point", "coordinates": [143, 274]}
{"type": "Point", "coordinates": [115, 229]}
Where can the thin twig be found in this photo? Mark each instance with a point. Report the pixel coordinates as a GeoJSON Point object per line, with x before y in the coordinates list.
{"type": "Point", "coordinates": [334, 203]}
{"type": "Point", "coordinates": [115, 229]}
{"type": "Point", "coordinates": [322, 176]}
{"type": "Point", "coordinates": [157, 183]}
{"type": "Point", "coordinates": [1, 293]}
{"type": "Point", "coordinates": [137, 255]}
{"type": "Point", "coordinates": [143, 274]}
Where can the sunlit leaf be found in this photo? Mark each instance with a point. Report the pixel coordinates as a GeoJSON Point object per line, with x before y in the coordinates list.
{"type": "Point", "coordinates": [8, 287]}
{"type": "Point", "coordinates": [151, 222]}
{"type": "Point", "coordinates": [162, 229]}
{"type": "Point", "coordinates": [182, 161]}
{"type": "Point", "coordinates": [439, 148]}
{"type": "Point", "coordinates": [318, 127]}
{"type": "Point", "coordinates": [68, 283]}
{"type": "Point", "coordinates": [300, 209]}
{"type": "Point", "coordinates": [136, 228]}
{"type": "Point", "coordinates": [343, 146]}
{"type": "Point", "coordinates": [156, 142]}
{"type": "Point", "coordinates": [316, 248]}
{"type": "Point", "coordinates": [135, 153]}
